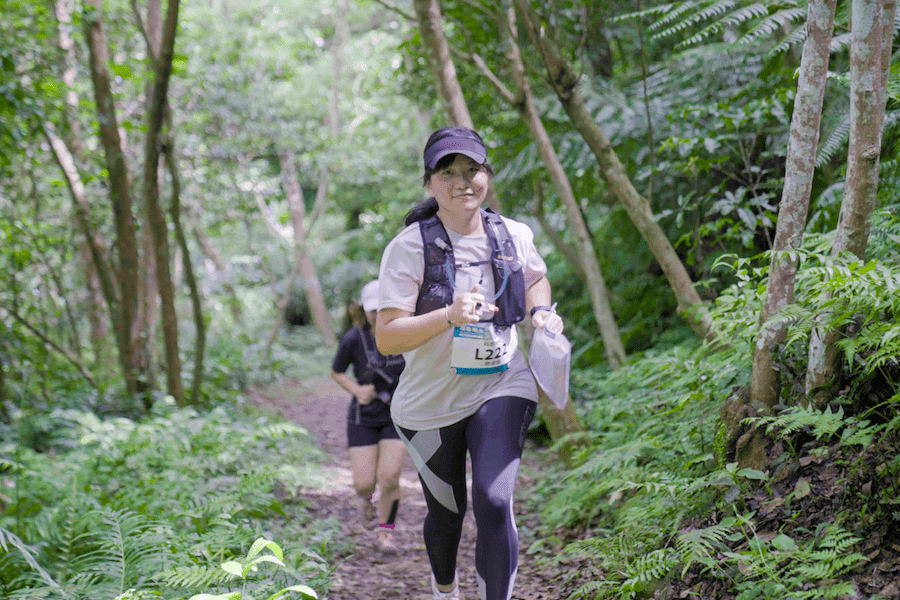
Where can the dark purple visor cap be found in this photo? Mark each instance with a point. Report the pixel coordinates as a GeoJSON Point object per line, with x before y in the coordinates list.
{"type": "Point", "coordinates": [455, 145]}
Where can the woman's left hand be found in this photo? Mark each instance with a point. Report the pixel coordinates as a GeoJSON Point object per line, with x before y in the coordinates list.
{"type": "Point", "coordinates": [544, 319]}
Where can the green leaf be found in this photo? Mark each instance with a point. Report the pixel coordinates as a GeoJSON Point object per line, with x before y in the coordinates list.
{"type": "Point", "coordinates": [228, 596]}
{"type": "Point", "coordinates": [261, 543]}
{"type": "Point", "coordinates": [123, 71]}
{"type": "Point", "coordinates": [870, 266]}
{"type": "Point", "coordinates": [233, 567]}
{"type": "Point", "coordinates": [747, 217]}
{"type": "Point", "coordinates": [783, 542]}
{"type": "Point", "coordinates": [307, 592]}
{"type": "Point", "coordinates": [752, 474]}
{"type": "Point", "coordinates": [260, 559]}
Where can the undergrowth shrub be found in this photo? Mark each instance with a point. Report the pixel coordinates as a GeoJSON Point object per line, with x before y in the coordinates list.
{"type": "Point", "coordinates": [648, 498]}
{"type": "Point", "coordinates": [117, 506]}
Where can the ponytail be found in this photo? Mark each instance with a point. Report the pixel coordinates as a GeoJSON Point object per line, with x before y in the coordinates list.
{"type": "Point", "coordinates": [423, 210]}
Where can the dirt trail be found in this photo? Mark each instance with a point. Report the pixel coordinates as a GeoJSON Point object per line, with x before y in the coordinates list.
{"type": "Point", "coordinates": [321, 406]}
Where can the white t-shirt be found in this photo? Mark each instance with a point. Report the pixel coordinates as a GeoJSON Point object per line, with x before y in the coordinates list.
{"type": "Point", "coordinates": [430, 395]}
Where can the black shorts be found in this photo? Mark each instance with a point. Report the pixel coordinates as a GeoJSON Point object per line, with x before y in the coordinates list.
{"type": "Point", "coordinates": [363, 435]}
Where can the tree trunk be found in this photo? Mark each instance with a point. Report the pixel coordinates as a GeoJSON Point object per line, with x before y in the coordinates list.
{"type": "Point", "coordinates": [794, 206]}
{"type": "Point", "coordinates": [431, 26]}
{"type": "Point", "coordinates": [867, 97]}
{"type": "Point", "coordinates": [564, 80]}
{"type": "Point", "coordinates": [196, 302]}
{"type": "Point", "coordinates": [162, 70]}
{"type": "Point", "coordinates": [524, 103]}
{"type": "Point", "coordinates": [561, 423]}
{"type": "Point", "coordinates": [119, 192]}
{"type": "Point", "coordinates": [71, 134]}
{"type": "Point", "coordinates": [145, 325]}
{"type": "Point", "coordinates": [302, 260]}
{"type": "Point", "coordinates": [428, 14]}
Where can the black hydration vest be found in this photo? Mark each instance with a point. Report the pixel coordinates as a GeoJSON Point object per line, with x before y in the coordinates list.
{"type": "Point", "coordinates": [440, 269]}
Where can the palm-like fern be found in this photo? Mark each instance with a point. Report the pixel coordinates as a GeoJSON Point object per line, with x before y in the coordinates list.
{"type": "Point", "coordinates": [18, 564]}
{"type": "Point", "coordinates": [127, 547]}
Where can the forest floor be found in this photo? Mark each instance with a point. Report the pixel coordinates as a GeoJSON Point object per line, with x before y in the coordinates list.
{"type": "Point", "coordinates": [364, 573]}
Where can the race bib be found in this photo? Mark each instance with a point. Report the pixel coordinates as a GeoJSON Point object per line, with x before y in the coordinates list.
{"type": "Point", "coordinates": [479, 350]}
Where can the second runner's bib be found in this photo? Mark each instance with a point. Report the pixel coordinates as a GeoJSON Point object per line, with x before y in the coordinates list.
{"type": "Point", "coordinates": [479, 350]}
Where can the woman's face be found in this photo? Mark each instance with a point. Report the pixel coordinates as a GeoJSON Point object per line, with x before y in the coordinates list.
{"type": "Point", "coordinates": [459, 188]}
{"type": "Point", "coordinates": [370, 317]}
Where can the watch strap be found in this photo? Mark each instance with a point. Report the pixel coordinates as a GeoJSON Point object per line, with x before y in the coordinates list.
{"type": "Point", "coordinates": [537, 308]}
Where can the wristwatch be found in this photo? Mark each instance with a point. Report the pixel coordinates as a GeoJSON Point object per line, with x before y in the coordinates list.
{"type": "Point", "coordinates": [537, 308]}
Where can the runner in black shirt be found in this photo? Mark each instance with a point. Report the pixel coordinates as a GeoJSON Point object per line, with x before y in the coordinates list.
{"type": "Point", "coordinates": [376, 452]}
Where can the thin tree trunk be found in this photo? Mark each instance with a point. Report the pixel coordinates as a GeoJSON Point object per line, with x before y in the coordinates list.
{"type": "Point", "coordinates": [119, 192]}
{"type": "Point", "coordinates": [561, 423]}
{"type": "Point", "coordinates": [146, 324]}
{"type": "Point", "coordinates": [71, 134]}
{"type": "Point", "coordinates": [161, 73]}
{"type": "Point", "coordinates": [564, 80]}
{"type": "Point", "coordinates": [524, 103]}
{"type": "Point", "coordinates": [428, 14]}
{"type": "Point", "coordinates": [196, 301]}
{"type": "Point", "coordinates": [431, 26]}
{"type": "Point", "coordinates": [79, 199]}
{"type": "Point", "coordinates": [852, 234]}
{"type": "Point", "coordinates": [794, 206]}
{"type": "Point", "coordinates": [302, 260]}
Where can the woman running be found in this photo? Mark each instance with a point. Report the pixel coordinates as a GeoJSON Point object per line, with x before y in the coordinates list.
{"type": "Point", "coordinates": [454, 283]}
{"type": "Point", "coordinates": [376, 452]}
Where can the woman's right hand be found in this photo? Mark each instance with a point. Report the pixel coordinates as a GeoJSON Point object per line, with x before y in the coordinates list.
{"type": "Point", "coordinates": [468, 308]}
{"type": "Point", "coordinates": [365, 394]}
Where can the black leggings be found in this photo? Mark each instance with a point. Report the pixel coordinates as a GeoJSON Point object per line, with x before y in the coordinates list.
{"type": "Point", "coordinates": [494, 437]}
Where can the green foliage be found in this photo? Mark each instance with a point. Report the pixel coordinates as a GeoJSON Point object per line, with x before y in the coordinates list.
{"type": "Point", "coordinates": [250, 564]}
{"type": "Point", "coordinates": [647, 499]}
{"type": "Point", "coordinates": [822, 425]}
{"type": "Point", "coordinates": [130, 508]}
{"type": "Point", "coordinates": [781, 568]}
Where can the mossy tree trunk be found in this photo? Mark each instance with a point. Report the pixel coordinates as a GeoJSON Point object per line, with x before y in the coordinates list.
{"type": "Point", "coordinates": [869, 61]}
{"type": "Point", "coordinates": [794, 206]}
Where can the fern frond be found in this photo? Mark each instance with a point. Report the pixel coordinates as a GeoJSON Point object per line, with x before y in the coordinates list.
{"type": "Point", "coordinates": [126, 546]}
{"type": "Point", "coordinates": [190, 577]}
{"type": "Point", "coordinates": [702, 543]}
{"type": "Point", "coordinates": [839, 43]}
{"type": "Point", "coordinates": [9, 539]}
{"type": "Point", "coordinates": [717, 8]}
{"type": "Point", "coordinates": [733, 20]}
{"type": "Point", "coordinates": [772, 24]}
{"type": "Point", "coordinates": [797, 36]}
{"type": "Point", "coordinates": [647, 12]}
{"type": "Point", "coordinates": [592, 588]}
{"type": "Point", "coordinates": [280, 430]}
{"type": "Point", "coordinates": [649, 568]}
{"type": "Point", "coordinates": [671, 16]}
{"type": "Point", "coordinates": [834, 142]}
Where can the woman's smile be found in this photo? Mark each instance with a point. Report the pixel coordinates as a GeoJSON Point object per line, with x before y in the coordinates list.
{"type": "Point", "coordinates": [459, 189]}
